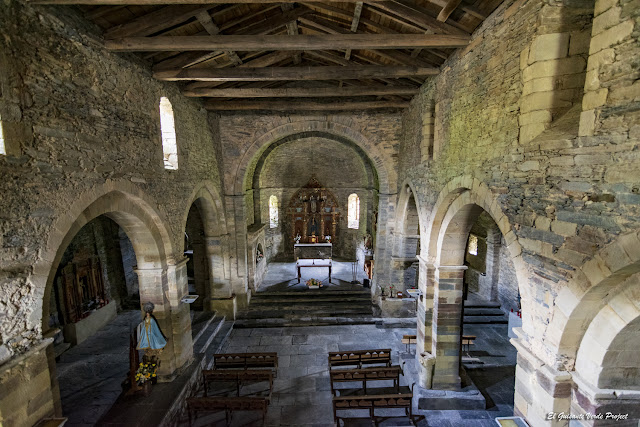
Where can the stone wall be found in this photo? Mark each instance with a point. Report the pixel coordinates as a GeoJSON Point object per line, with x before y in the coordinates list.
{"type": "Point", "coordinates": [84, 140]}
{"type": "Point", "coordinates": [558, 194]}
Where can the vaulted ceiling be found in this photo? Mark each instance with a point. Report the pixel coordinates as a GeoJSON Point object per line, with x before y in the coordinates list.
{"type": "Point", "coordinates": [267, 55]}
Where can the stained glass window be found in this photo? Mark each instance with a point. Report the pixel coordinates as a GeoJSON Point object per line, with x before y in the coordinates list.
{"type": "Point", "coordinates": [273, 211]}
{"type": "Point", "coordinates": [353, 211]}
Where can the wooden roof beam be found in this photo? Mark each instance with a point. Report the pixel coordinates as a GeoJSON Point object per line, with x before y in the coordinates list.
{"type": "Point", "coordinates": [278, 42]}
{"type": "Point", "coordinates": [417, 17]}
{"type": "Point", "coordinates": [171, 2]}
{"type": "Point", "coordinates": [448, 9]}
{"type": "Point", "coordinates": [302, 105]}
{"type": "Point", "coordinates": [354, 24]}
{"type": "Point", "coordinates": [302, 92]}
{"type": "Point", "coordinates": [292, 73]}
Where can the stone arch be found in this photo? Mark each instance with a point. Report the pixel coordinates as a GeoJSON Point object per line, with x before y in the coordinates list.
{"type": "Point", "coordinates": [457, 208]}
{"type": "Point", "coordinates": [586, 295]}
{"type": "Point", "coordinates": [608, 354]}
{"type": "Point", "coordinates": [129, 208]}
{"type": "Point", "coordinates": [210, 207]}
{"type": "Point", "coordinates": [386, 174]}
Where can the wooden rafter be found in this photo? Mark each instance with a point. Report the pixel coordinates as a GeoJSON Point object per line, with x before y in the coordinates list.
{"type": "Point", "coordinates": [354, 24]}
{"type": "Point", "coordinates": [210, 27]}
{"type": "Point", "coordinates": [448, 9]}
{"type": "Point", "coordinates": [417, 17]}
{"type": "Point", "coordinates": [291, 73]}
{"type": "Point", "coordinates": [277, 42]}
{"type": "Point", "coordinates": [320, 92]}
{"type": "Point", "coordinates": [170, 2]}
{"type": "Point", "coordinates": [302, 105]}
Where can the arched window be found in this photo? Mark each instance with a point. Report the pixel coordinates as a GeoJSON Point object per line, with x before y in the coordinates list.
{"type": "Point", "coordinates": [473, 244]}
{"type": "Point", "coordinates": [353, 211]}
{"type": "Point", "coordinates": [273, 212]}
{"type": "Point", "coordinates": [167, 126]}
{"type": "Point", "coordinates": [3, 149]}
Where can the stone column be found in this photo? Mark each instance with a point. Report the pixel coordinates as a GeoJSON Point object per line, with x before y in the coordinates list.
{"type": "Point", "coordinates": [383, 249]}
{"type": "Point", "coordinates": [219, 296]}
{"type": "Point", "coordinates": [425, 319]}
{"type": "Point", "coordinates": [237, 227]}
{"type": "Point", "coordinates": [180, 313]}
{"type": "Point", "coordinates": [447, 324]}
{"type": "Point", "coordinates": [539, 389]}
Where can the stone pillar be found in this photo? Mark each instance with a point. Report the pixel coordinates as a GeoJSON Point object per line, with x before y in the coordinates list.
{"type": "Point", "coordinates": [237, 227]}
{"type": "Point", "coordinates": [539, 389]}
{"type": "Point", "coordinates": [26, 387]}
{"type": "Point", "coordinates": [384, 241]}
{"type": "Point", "coordinates": [180, 313]}
{"type": "Point", "coordinates": [588, 399]}
{"type": "Point", "coordinates": [492, 266]}
{"type": "Point", "coordinates": [447, 324]}
{"type": "Point", "coordinates": [425, 318]}
{"type": "Point", "coordinates": [219, 296]}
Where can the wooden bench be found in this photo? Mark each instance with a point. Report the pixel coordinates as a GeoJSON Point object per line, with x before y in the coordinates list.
{"type": "Point", "coordinates": [226, 404]}
{"type": "Point", "coordinates": [238, 377]}
{"type": "Point", "coordinates": [359, 357]}
{"type": "Point", "coordinates": [468, 341]}
{"type": "Point", "coordinates": [373, 402]}
{"type": "Point", "coordinates": [245, 360]}
{"type": "Point", "coordinates": [382, 373]}
{"type": "Point", "coordinates": [408, 340]}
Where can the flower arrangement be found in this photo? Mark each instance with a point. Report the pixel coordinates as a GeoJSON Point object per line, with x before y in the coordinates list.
{"type": "Point", "coordinates": [314, 283]}
{"type": "Point", "coordinates": [391, 288]}
{"type": "Point", "coordinates": [146, 372]}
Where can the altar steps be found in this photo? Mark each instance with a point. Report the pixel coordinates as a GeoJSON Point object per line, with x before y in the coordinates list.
{"type": "Point", "coordinates": [484, 313]}
{"type": "Point", "coordinates": [308, 308]}
{"type": "Point", "coordinates": [210, 332]}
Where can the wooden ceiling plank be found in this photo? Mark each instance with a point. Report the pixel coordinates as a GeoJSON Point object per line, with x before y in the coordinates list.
{"type": "Point", "coordinates": [301, 92]}
{"type": "Point", "coordinates": [172, 2]}
{"type": "Point", "coordinates": [207, 22]}
{"type": "Point", "coordinates": [302, 105]}
{"type": "Point", "coordinates": [278, 42]}
{"type": "Point", "coordinates": [292, 73]}
{"type": "Point", "coordinates": [101, 11]}
{"type": "Point", "coordinates": [354, 24]}
{"type": "Point", "coordinates": [418, 17]}
{"type": "Point", "coordinates": [471, 10]}
{"type": "Point", "coordinates": [268, 25]}
{"type": "Point", "coordinates": [448, 9]}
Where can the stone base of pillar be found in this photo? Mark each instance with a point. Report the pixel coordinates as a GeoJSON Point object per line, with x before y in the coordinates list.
{"type": "Point", "coordinates": [25, 388]}
{"type": "Point", "coordinates": [227, 307]}
{"type": "Point", "coordinates": [425, 369]}
{"type": "Point", "coordinates": [446, 382]}
{"type": "Point", "coordinates": [615, 407]}
{"type": "Point", "coordinates": [397, 307]}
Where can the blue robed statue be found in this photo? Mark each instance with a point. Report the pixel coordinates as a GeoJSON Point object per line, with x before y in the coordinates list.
{"type": "Point", "coordinates": [149, 335]}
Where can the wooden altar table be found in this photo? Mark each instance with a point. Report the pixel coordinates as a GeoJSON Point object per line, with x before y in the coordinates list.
{"type": "Point", "coordinates": [302, 263]}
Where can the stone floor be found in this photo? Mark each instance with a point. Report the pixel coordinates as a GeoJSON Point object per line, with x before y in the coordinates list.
{"type": "Point", "coordinates": [283, 276]}
{"type": "Point", "coordinates": [302, 395]}
{"type": "Point", "coordinates": [90, 374]}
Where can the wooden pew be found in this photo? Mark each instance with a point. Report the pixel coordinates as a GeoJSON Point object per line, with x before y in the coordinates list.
{"type": "Point", "coordinates": [468, 341]}
{"type": "Point", "coordinates": [227, 404]}
{"type": "Point", "coordinates": [382, 373]}
{"type": "Point", "coordinates": [408, 340]}
{"type": "Point", "coordinates": [359, 357]}
{"type": "Point", "coordinates": [245, 360]}
{"type": "Point", "coordinates": [373, 402]}
{"type": "Point", "coordinates": [239, 377]}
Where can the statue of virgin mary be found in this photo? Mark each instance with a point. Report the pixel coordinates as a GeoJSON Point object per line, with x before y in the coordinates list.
{"type": "Point", "coordinates": [149, 335]}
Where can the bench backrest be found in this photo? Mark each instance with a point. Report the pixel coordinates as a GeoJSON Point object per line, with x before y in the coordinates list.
{"type": "Point", "coordinates": [400, 400]}
{"type": "Point", "coordinates": [245, 360]}
{"type": "Point", "coordinates": [231, 403]}
{"type": "Point", "coordinates": [352, 357]}
{"type": "Point", "coordinates": [245, 375]}
{"type": "Point", "coordinates": [366, 374]}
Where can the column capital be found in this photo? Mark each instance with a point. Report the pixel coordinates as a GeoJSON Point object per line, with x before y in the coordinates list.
{"type": "Point", "coordinates": [451, 267]}
{"type": "Point", "coordinates": [148, 271]}
{"type": "Point", "coordinates": [179, 263]}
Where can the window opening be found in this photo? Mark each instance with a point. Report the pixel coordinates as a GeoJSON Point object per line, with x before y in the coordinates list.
{"type": "Point", "coordinates": [3, 150]}
{"type": "Point", "coordinates": [273, 211]}
{"type": "Point", "coordinates": [167, 126]}
{"type": "Point", "coordinates": [473, 244]}
{"type": "Point", "coordinates": [353, 211]}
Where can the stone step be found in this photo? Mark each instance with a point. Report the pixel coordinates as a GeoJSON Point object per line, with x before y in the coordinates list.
{"type": "Point", "coordinates": [305, 321]}
{"type": "Point", "coordinates": [483, 311]}
{"type": "Point", "coordinates": [208, 336]}
{"type": "Point", "coordinates": [313, 293]}
{"type": "Point", "coordinates": [200, 320]}
{"type": "Point", "coordinates": [296, 305]}
{"type": "Point", "coordinates": [304, 312]}
{"type": "Point", "coordinates": [310, 300]}
{"type": "Point", "coordinates": [485, 320]}
{"type": "Point", "coordinates": [218, 342]}
{"type": "Point", "coordinates": [481, 304]}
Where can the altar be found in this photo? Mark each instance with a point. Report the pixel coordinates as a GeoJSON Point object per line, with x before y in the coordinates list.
{"type": "Point", "coordinates": [313, 255]}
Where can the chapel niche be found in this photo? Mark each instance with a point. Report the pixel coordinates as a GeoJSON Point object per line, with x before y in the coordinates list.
{"type": "Point", "coordinates": [314, 213]}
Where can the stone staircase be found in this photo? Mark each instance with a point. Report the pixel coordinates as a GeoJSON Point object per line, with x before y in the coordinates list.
{"type": "Point", "coordinates": [484, 313]}
{"type": "Point", "coordinates": [209, 333]}
{"type": "Point", "coordinates": [310, 307]}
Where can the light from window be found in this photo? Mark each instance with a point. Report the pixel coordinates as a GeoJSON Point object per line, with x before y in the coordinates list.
{"type": "Point", "coordinates": [273, 212]}
{"type": "Point", "coordinates": [3, 150]}
{"type": "Point", "coordinates": [473, 244]}
{"type": "Point", "coordinates": [353, 211]}
{"type": "Point", "coordinates": [167, 126]}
